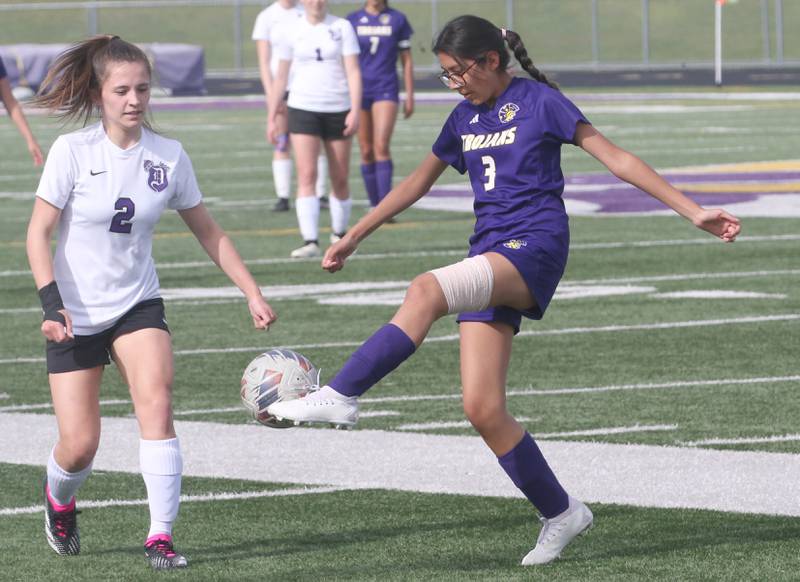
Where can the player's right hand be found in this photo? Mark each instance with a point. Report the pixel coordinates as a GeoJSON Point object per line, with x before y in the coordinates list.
{"type": "Point", "coordinates": [337, 253]}
{"type": "Point", "coordinates": [57, 331]}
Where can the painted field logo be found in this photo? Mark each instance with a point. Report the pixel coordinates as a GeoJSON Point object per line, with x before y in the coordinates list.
{"type": "Point", "coordinates": [156, 175]}
{"type": "Point", "coordinates": [515, 244]}
{"type": "Point", "coordinates": [508, 112]}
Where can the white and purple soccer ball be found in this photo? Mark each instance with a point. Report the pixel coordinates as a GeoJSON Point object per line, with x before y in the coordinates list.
{"type": "Point", "coordinates": [276, 375]}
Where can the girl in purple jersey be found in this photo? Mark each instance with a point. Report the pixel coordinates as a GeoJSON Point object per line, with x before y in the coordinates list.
{"type": "Point", "coordinates": [383, 34]}
{"type": "Point", "coordinates": [104, 188]}
{"type": "Point", "coordinates": [507, 135]}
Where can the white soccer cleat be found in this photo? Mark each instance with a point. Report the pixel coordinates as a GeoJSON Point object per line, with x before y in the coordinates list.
{"type": "Point", "coordinates": [559, 531]}
{"type": "Point", "coordinates": [325, 406]}
{"type": "Point", "coordinates": [335, 238]}
{"type": "Point", "coordinates": [307, 251]}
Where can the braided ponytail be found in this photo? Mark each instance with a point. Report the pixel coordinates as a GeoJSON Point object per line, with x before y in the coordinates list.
{"type": "Point", "coordinates": [521, 54]}
{"type": "Point", "coordinates": [471, 37]}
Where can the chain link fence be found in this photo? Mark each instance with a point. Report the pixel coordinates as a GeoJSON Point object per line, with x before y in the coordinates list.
{"type": "Point", "coordinates": [560, 34]}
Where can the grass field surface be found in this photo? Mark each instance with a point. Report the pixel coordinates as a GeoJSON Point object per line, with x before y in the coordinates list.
{"type": "Point", "coordinates": [661, 383]}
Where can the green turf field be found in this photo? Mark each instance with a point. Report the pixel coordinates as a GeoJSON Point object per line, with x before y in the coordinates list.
{"type": "Point", "coordinates": [638, 368]}
{"type": "Point", "coordinates": [555, 31]}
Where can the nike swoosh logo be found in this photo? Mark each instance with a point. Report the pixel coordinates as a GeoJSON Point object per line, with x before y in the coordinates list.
{"type": "Point", "coordinates": [93, 173]}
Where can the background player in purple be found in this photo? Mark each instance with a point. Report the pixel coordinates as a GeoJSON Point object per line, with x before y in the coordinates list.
{"type": "Point", "coordinates": [507, 135]}
{"type": "Point", "coordinates": [383, 34]}
{"type": "Point", "coordinates": [16, 114]}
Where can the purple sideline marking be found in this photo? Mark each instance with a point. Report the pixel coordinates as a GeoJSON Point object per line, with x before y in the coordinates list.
{"type": "Point", "coordinates": [614, 196]}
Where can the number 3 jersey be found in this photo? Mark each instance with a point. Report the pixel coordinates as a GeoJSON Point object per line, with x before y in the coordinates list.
{"type": "Point", "coordinates": [111, 200]}
{"type": "Point", "coordinates": [512, 151]}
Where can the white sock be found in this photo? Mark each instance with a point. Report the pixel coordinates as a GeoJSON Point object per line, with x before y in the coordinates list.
{"type": "Point", "coordinates": [340, 214]}
{"type": "Point", "coordinates": [322, 176]}
{"type": "Point", "coordinates": [161, 464]}
{"type": "Point", "coordinates": [282, 175]}
{"type": "Point", "coordinates": [63, 485]}
{"type": "Point", "coordinates": [307, 208]}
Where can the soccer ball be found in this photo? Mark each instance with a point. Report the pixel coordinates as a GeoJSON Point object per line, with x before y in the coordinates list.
{"type": "Point", "coordinates": [277, 374]}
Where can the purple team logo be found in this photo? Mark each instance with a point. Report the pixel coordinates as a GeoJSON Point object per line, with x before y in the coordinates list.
{"type": "Point", "coordinates": [385, 19]}
{"type": "Point", "coordinates": [156, 175]}
{"type": "Point", "coordinates": [508, 112]}
{"type": "Point", "coordinates": [336, 36]}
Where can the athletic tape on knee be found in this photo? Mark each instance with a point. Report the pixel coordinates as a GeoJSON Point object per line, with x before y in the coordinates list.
{"type": "Point", "coordinates": [282, 144]}
{"type": "Point", "coordinates": [467, 285]}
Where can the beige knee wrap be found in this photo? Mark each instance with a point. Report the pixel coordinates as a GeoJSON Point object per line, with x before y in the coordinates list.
{"type": "Point", "coordinates": [467, 285]}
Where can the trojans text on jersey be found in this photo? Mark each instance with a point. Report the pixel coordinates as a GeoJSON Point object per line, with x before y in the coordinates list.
{"type": "Point", "coordinates": [472, 142]}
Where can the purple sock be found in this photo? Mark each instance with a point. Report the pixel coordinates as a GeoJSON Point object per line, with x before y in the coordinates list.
{"type": "Point", "coordinates": [383, 176]}
{"type": "Point", "coordinates": [386, 349]}
{"type": "Point", "coordinates": [370, 183]}
{"type": "Point", "coordinates": [529, 471]}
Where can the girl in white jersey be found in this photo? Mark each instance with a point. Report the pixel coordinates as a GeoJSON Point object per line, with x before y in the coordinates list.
{"type": "Point", "coordinates": [324, 101]}
{"type": "Point", "coordinates": [272, 28]}
{"type": "Point", "coordinates": [104, 188]}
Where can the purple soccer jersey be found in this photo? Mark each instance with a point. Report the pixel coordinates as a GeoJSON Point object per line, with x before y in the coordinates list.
{"type": "Point", "coordinates": [3, 73]}
{"type": "Point", "coordinates": [380, 37]}
{"type": "Point", "coordinates": [512, 152]}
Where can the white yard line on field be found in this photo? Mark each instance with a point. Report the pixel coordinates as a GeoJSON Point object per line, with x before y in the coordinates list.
{"type": "Point", "coordinates": [592, 389]}
{"type": "Point", "coordinates": [638, 475]}
{"type": "Point", "coordinates": [455, 337]}
{"type": "Point", "coordinates": [49, 405]}
{"type": "Point", "coordinates": [744, 440]}
{"type": "Point", "coordinates": [459, 252]}
{"type": "Point", "coordinates": [10, 511]}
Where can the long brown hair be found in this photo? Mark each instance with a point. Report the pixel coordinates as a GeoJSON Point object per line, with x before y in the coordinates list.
{"type": "Point", "coordinates": [471, 37]}
{"type": "Point", "coordinates": [74, 80]}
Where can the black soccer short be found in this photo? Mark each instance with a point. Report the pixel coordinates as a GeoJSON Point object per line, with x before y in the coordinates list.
{"type": "Point", "coordinates": [328, 126]}
{"type": "Point", "coordinates": [89, 351]}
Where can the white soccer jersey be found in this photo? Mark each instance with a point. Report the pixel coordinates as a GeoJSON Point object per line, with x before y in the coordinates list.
{"type": "Point", "coordinates": [319, 82]}
{"type": "Point", "coordinates": [111, 200]}
{"type": "Point", "coordinates": [273, 25]}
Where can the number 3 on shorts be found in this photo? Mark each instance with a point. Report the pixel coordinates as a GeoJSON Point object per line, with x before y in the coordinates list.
{"type": "Point", "coordinates": [491, 171]}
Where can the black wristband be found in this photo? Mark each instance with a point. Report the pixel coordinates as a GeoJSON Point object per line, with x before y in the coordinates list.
{"type": "Point", "coordinates": [52, 303]}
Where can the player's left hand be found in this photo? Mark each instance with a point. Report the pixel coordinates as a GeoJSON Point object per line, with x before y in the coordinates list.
{"type": "Point", "coordinates": [263, 314]}
{"type": "Point", "coordinates": [408, 107]}
{"type": "Point", "coordinates": [351, 123]}
{"type": "Point", "coordinates": [719, 223]}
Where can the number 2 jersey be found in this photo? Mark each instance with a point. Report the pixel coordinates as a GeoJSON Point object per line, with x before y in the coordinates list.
{"type": "Point", "coordinates": [111, 200]}
{"type": "Point", "coordinates": [512, 152]}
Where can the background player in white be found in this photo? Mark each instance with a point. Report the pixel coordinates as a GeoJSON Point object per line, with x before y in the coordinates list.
{"type": "Point", "coordinates": [104, 188]}
{"type": "Point", "coordinates": [324, 101]}
{"type": "Point", "coordinates": [271, 29]}
{"type": "Point", "coordinates": [16, 114]}
{"type": "Point", "coordinates": [383, 34]}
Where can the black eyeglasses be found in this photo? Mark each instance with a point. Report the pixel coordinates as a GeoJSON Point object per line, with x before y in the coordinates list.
{"type": "Point", "coordinates": [457, 79]}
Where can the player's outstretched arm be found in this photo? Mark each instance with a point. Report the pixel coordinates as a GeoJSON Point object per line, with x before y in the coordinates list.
{"type": "Point", "coordinates": [16, 114]}
{"type": "Point", "coordinates": [411, 189]}
{"type": "Point", "coordinates": [221, 250]}
{"type": "Point", "coordinates": [635, 171]}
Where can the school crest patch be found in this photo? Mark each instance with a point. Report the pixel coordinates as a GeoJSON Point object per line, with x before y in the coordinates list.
{"type": "Point", "coordinates": [508, 112]}
{"type": "Point", "coordinates": [515, 244]}
{"type": "Point", "coordinates": [156, 175]}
